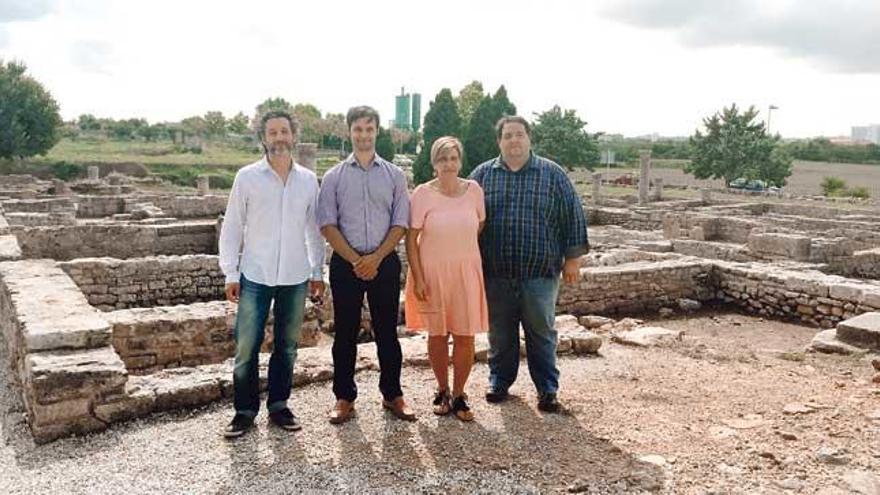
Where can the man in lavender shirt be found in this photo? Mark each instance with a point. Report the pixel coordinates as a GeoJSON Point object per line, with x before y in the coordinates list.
{"type": "Point", "coordinates": [363, 212]}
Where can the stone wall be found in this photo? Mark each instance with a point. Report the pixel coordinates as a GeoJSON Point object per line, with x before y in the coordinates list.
{"type": "Point", "coordinates": [59, 348]}
{"type": "Point", "coordinates": [811, 296]}
{"type": "Point", "coordinates": [41, 219]}
{"type": "Point", "coordinates": [190, 206]}
{"type": "Point", "coordinates": [173, 206]}
{"type": "Point", "coordinates": [70, 376]}
{"type": "Point", "coordinates": [116, 241]}
{"type": "Point", "coordinates": [110, 283]}
{"type": "Point", "coordinates": [636, 287]}
{"type": "Point", "coordinates": [46, 205]}
{"type": "Point", "coordinates": [633, 219]}
{"type": "Point", "coordinates": [712, 250]}
{"type": "Point", "coordinates": [150, 339]}
{"type": "Point", "coordinates": [862, 264]}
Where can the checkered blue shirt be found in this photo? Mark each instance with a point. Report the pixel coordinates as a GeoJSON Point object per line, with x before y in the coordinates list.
{"type": "Point", "coordinates": [534, 219]}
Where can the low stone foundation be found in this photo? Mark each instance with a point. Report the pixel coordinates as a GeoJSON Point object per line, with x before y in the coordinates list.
{"type": "Point", "coordinates": [110, 283]}
{"type": "Point", "coordinates": [116, 241]}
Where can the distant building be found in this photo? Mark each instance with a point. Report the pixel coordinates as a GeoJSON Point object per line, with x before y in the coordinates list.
{"type": "Point", "coordinates": [867, 133]}
{"type": "Point", "coordinates": [408, 111]}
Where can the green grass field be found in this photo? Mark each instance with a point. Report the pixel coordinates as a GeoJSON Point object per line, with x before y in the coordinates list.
{"type": "Point", "coordinates": [218, 159]}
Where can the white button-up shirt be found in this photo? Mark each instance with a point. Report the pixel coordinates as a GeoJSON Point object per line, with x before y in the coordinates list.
{"type": "Point", "coordinates": [269, 232]}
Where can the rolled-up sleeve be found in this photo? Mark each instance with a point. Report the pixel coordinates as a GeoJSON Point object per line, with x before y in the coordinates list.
{"type": "Point", "coordinates": [574, 239]}
{"type": "Point", "coordinates": [327, 213]}
{"type": "Point", "coordinates": [232, 231]}
{"type": "Point", "coordinates": [400, 202]}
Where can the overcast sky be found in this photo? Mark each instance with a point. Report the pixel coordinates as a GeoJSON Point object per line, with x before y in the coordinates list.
{"type": "Point", "coordinates": [627, 66]}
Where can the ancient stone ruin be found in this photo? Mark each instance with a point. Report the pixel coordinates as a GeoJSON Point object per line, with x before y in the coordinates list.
{"type": "Point", "coordinates": [111, 300]}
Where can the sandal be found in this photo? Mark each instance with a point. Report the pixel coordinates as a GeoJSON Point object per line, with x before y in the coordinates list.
{"type": "Point", "coordinates": [461, 410]}
{"type": "Point", "coordinates": [441, 403]}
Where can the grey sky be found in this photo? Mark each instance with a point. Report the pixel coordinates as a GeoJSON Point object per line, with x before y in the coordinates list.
{"type": "Point", "coordinates": [627, 66]}
{"type": "Point", "coordinates": [840, 35]}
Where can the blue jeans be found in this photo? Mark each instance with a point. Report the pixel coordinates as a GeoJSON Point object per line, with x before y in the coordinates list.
{"type": "Point", "coordinates": [531, 302]}
{"type": "Point", "coordinates": [250, 325]}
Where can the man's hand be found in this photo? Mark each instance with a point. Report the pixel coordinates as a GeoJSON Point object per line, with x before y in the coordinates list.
{"type": "Point", "coordinates": [367, 267]}
{"type": "Point", "coordinates": [233, 290]}
{"type": "Point", "coordinates": [316, 290]}
{"type": "Point", "coordinates": [571, 270]}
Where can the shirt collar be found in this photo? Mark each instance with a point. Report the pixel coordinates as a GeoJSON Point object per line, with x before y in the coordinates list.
{"type": "Point", "coordinates": [499, 162]}
{"type": "Point", "coordinates": [265, 166]}
{"type": "Point", "coordinates": [351, 160]}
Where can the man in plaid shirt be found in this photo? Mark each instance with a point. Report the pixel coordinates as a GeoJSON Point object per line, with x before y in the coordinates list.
{"type": "Point", "coordinates": [535, 228]}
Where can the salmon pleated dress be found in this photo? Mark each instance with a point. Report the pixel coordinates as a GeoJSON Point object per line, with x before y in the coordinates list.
{"type": "Point", "coordinates": [450, 258]}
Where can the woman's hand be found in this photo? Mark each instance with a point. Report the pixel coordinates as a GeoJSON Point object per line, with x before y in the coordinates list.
{"type": "Point", "coordinates": [421, 290]}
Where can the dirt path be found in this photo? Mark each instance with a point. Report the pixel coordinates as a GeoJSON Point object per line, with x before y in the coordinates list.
{"type": "Point", "coordinates": [707, 411]}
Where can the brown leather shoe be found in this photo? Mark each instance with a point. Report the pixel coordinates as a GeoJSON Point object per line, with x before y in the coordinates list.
{"type": "Point", "coordinates": [342, 412]}
{"type": "Point", "coordinates": [399, 409]}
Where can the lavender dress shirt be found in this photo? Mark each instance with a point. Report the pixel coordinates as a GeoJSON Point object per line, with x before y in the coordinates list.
{"type": "Point", "coordinates": [364, 203]}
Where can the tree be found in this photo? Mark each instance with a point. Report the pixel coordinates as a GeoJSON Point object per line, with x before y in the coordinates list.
{"type": "Point", "coordinates": [194, 126]}
{"type": "Point", "coordinates": [503, 106]}
{"type": "Point", "coordinates": [309, 118]}
{"type": "Point", "coordinates": [441, 120]}
{"type": "Point", "coordinates": [560, 136]}
{"type": "Point", "coordinates": [267, 106]}
{"type": "Point", "coordinates": [238, 124]}
{"type": "Point", "coordinates": [480, 143]}
{"type": "Point", "coordinates": [88, 122]}
{"type": "Point", "coordinates": [384, 144]}
{"type": "Point", "coordinates": [215, 124]}
{"type": "Point", "coordinates": [334, 130]}
{"type": "Point", "coordinates": [400, 137]}
{"type": "Point", "coordinates": [29, 118]}
{"type": "Point", "coordinates": [735, 146]}
{"type": "Point", "coordinates": [468, 100]}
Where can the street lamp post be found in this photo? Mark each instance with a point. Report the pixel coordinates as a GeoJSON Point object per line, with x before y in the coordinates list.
{"type": "Point", "coordinates": [769, 113]}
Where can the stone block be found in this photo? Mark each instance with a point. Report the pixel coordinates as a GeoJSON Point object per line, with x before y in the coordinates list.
{"type": "Point", "coordinates": [64, 375]}
{"type": "Point", "coordinates": [795, 247]}
{"type": "Point", "coordinates": [862, 331]}
{"type": "Point", "coordinates": [646, 336]}
{"type": "Point", "coordinates": [826, 341]}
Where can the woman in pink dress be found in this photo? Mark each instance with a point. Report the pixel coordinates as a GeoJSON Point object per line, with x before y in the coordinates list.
{"type": "Point", "coordinates": [444, 290]}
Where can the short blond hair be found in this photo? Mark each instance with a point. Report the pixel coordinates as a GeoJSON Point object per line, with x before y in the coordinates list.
{"type": "Point", "coordinates": [443, 144]}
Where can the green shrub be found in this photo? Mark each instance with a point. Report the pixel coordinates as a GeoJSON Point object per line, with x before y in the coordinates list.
{"type": "Point", "coordinates": [860, 192]}
{"type": "Point", "coordinates": [67, 171]}
{"type": "Point", "coordinates": [831, 186]}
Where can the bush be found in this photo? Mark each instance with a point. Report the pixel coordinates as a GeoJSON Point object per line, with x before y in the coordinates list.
{"type": "Point", "coordinates": [860, 192]}
{"type": "Point", "coordinates": [220, 181]}
{"type": "Point", "coordinates": [832, 186]}
{"type": "Point", "coordinates": [67, 171]}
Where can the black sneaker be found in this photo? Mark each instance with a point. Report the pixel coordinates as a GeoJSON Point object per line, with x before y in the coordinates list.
{"type": "Point", "coordinates": [240, 424]}
{"type": "Point", "coordinates": [495, 396]}
{"type": "Point", "coordinates": [549, 403]}
{"type": "Point", "coordinates": [285, 419]}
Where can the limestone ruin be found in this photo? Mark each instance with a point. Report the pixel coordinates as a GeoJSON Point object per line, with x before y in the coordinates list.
{"type": "Point", "coordinates": [112, 299]}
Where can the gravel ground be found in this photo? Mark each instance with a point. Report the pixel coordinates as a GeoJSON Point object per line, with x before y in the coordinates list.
{"type": "Point", "coordinates": [705, 415]}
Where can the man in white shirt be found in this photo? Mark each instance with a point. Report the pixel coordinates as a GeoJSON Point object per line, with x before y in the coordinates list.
{"type": "Point", "coordinates": [270, 250]}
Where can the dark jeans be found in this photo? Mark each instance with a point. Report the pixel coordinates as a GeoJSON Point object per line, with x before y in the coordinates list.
{"type": "Point", "coordinates": [532, 303]}
{"type": "Point", "coordinates": [383, 296]}
{"type": "Point", "coordinates": [250, 328]}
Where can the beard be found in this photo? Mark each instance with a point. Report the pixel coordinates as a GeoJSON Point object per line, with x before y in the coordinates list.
{"type": "Point", "coordinates": [280, 148]}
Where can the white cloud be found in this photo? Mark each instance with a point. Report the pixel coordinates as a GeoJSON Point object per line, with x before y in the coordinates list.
{"type": "Point", "coordinates": [840, 35]}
